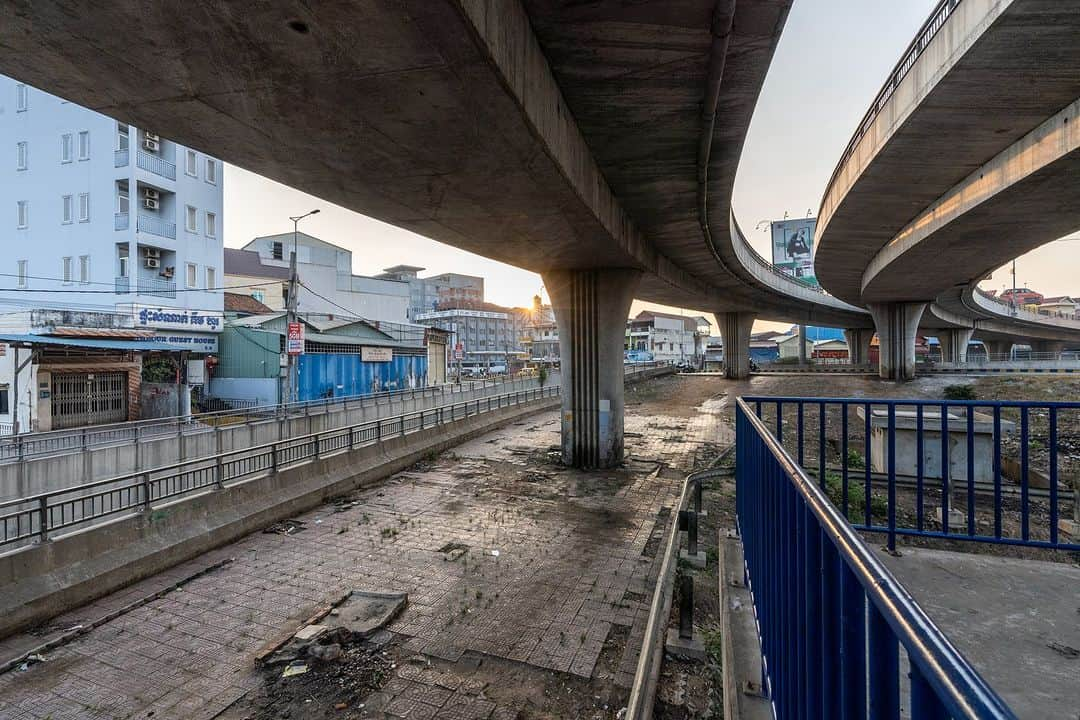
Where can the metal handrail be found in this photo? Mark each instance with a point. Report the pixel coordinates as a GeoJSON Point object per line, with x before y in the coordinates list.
{"type": "Point", "coordinates": [943, 681]}
{"type": "Point", "coordinates": [84, 437]}
{"type": "Point", "coordinates": [927, 32]}
{"type": "Point", "coordinates": [138, 490]}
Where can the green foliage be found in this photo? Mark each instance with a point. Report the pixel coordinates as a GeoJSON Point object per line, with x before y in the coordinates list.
{"type": "Point", "coordinates": [159, 369]}
{"type": "Point", "coordinates": [855, 459]}
{"type": "Point", "coordinates": [834, 488]}
{"type": "Point", "coordinates": [542, 375]}
{"type": "Point", "coordinates": [959, 392]}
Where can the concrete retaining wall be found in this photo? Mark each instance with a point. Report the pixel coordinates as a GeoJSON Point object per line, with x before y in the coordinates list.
{"type": "Point", "coordinates": [44, 580]}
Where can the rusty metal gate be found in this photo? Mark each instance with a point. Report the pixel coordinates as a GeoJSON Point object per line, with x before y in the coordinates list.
{"type": "Point", "coordinates": [89, 399]}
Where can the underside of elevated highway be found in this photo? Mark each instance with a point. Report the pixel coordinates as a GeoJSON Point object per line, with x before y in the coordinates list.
{"type": "Point", "coordinates": [966, 160]}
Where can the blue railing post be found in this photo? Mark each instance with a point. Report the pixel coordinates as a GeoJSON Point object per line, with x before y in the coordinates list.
{"type": "Point", "coordinates": [852, 646]}
{"type": "Point", "coordinates": [884, 669]}
{"type": "Point", "coordinates": [892, 477]}
{"type": "Point", "coordinates": [811, 547]}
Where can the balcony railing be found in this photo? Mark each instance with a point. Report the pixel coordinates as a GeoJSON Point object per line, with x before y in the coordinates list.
{"type": "Point", "coordinates": [120, 221]}
{"type": "Point", "coordinates": [156, 165]}
{"type": "Point", "coordinates": [156, 226]}
{"type": "Point", "coordinates": [120, 158]}
{"type": "Point", "coordinates": [146, 286]}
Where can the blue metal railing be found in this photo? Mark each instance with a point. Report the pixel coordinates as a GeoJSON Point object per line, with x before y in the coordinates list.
{"type": "Point", "coordinates": [831, 617]}
{"type": "Point", "coordinates": [120, 221]}
{"type": "Point", "coordinates": [881, 463]}
{"type": "Point", "coordinates": [120, 158]}
{"type": "Point", "coordinates": [156, 165]}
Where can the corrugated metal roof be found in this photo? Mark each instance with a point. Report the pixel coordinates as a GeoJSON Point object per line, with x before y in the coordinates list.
{"type": "Point", "coordinates": [248, 264]}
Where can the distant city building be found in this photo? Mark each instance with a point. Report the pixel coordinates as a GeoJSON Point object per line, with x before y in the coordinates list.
{"type": "Point", "coordinates": [113, 255]}
{"type": "Point", "coordinates": [480, 331]}
{"type": "Point", "coordinates": [1062, 306]}
{"type": "Point", "coordinates": [328, 285]}
{"type": "Point", "coordinates": [667, 336]}
{"type": "Point", "coordinates": [448, 290]}
{"type": "Point", "coordinates": [541, 334]}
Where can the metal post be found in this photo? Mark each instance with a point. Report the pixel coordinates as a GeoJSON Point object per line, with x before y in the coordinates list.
{"type": "Point", "coordinates": [691, 533]}
{"type": "Point", "coordinates": [146, 490]}
{"type": "Point", "coordinates": [290, 360]}
{"type": "Point", "coordinates": [43, 519]}
{"type": "Point", "coordinates": [686, 608]}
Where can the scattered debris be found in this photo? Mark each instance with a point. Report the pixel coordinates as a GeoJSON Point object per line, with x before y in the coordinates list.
{"type": "Point", "coordinates": [1066, 650]}
{"type": "Point", "coordinates": [454, 550]}
{"type": "Point", "coordinates": [495, 553]}
{"type": "Point", "coordinates": [286, 527]}
{"type": "Point", "coordinates": [295, 668]}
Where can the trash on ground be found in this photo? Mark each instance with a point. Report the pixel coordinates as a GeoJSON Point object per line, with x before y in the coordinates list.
{"type": "Point", "coordinates": [295, 668]}
{"type": "Point", "coordinates": [285, 527]}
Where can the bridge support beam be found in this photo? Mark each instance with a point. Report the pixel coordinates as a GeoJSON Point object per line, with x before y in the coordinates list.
{"type": "Point", "coordinates": [591, 307]}
{"type": "Point", "coordinates": [735, 329]}
{"type": "Point", "coordinates": [954, 344]}
{"type": "Point", "coordinates": [897, 325]}
{"type": "Point", "coordinates": [858, 345]}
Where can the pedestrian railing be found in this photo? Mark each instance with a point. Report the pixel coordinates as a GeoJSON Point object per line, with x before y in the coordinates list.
{"type": "Point", "coordinates": [1013, 473]}
{"type": "Point", "coordinates": [42, 516]}
{"type": "Point", "coordinates": [42, 444]}
{"type": "Point", "coordinates": [831, 617]}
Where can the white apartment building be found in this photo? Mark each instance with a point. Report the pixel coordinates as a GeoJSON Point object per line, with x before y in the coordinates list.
{"type": "Point", "coordinates": [110, 232]}
{"type": "Point", "coordinates": [676, 338]}
{"type": "Point", "coordinates": [328, 285]}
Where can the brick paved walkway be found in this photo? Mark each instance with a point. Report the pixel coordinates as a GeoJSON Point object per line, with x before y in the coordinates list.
{"type": "Point", "coordinates": [559, 571]}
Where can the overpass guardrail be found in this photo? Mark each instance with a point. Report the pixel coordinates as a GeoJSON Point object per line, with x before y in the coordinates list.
{"type": "Point", "coordinates": [831, 617]}
{"type": "Point", "coordinates": [39, 517]}
{"type": "Point", "coordinates": [1013, 466]}
{"type": "Point", "coordinates": [926, 33]}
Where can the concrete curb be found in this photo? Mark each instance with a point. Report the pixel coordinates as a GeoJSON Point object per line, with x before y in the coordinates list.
{"type": "Point", "coordinates": [44, 580]}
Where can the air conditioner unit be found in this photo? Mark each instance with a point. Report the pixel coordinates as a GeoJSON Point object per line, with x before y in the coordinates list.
{"type": "Point", "coordinates": [152, 252]}
{"type": "Point", "coordinates": [151, 193]}
{"type": "Point", "coordinates": [150, 203]}
{"type": "Point", "coordinates": [152, 136]}
{"type": "Point", "coordinates": [152, 145]}
{"type": "Point", "coordinates": [153, 263]}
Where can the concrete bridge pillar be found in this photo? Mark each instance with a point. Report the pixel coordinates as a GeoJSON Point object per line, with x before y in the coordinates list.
{"type": "Point", "coordinates": [998, 349]}
{"type": "Point", "coordinates": [735, 329]}
{"type": "Point", "coordinates": [591, 307]}
{"type": "Point", "coordinates": [858, 345]}
{"type": "Point", "coordinates": [1047, 347]}
{"type": "Point", "coordinates": [897, 325]}
{"type": "Point", "coordinates": [954, 344]}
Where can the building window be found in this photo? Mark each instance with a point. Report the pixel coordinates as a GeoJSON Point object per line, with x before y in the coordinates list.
{"type": "Point", "coordinates": [191, 166]}
{"type": "Point", "coordinates": [69, 209]}
{"type": "Point", "coordinates": [191, 220]}
{"type": "Point", "coordinates": [84, 207]}
{"type": "Point", "coordinates": [22, 98]}
{"type": "Point", "coordinates": [211, 224]}
{"type": "Point", "coordinates": [22, 214]}
{"type": "Point", "coordinates": [211, 171]}
{"type": "Point", "coordinates": [123, 200]}
{"type": "Point", "coordinates": [211, 278]}
{"type": "Point", "coordinates": [65, 148]}
{"type": "Point", "coordinates": [84, 145]}
{"type": "Point", "coordinates": [123, 263]}
{"type": "Point", "coordinates": [258, 295]}
{"type": "Point", "coordinates": [84, 269]}
{"type": "Point", "coordinates": [20, 156]}
{"type": "Point", "coordinates": [67, 270]}
{"type": "Point", "coordinates": [22, 273]}
{"type": "Point", "coordinates": [4, 406]}
{"type": "Point", "coordinates": [277, 251]}
{"type": "Point", "coordinates": [192, 276]}
{"type": "Point", "coordinates": [122, 138]}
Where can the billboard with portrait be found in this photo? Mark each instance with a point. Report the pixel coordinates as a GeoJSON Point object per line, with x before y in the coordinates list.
{"type": "Point", "coordinates": [793, 247]}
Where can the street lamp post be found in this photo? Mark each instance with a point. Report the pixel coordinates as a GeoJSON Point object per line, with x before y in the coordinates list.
{"type": "Point", "coordinates": [290, 310]}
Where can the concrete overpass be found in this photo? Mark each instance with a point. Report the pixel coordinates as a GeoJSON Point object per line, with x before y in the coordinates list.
{"type": "Point", "coordinates": [596, 144]}
{"type": "Point", "coordinates": [966, 159]}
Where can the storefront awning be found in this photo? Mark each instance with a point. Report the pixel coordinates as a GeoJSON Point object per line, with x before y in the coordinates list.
{"type": "Point", "coordinates": [146, 345]}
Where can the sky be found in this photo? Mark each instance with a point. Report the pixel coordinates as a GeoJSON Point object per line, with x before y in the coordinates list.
{"type": "Point", "coordinates": [831, 60]}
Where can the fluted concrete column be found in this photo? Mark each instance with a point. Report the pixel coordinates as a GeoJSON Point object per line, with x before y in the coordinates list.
{"type": "Point", "coordinates": [897, 325]}
{"type": "Point", "coordinates": [858, 345]}
{"type": "Point", "coordinates": [954, 344]}
{"type": "Point", "coordinates": [735, 330]}
{"type": "Point", "coordinates": [802, 345]}
{"type": "Point", "coordinates": [590, 309]}
{"type": "Point", "coordinates": [999, 349]}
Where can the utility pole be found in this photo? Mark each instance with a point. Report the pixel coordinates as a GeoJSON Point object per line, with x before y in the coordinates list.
{"type": "Point", "coordinates": [290, 310]}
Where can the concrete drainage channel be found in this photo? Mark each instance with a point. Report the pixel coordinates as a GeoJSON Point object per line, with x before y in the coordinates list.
{"type": "Point", "coordinates": [683, 640]}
